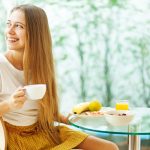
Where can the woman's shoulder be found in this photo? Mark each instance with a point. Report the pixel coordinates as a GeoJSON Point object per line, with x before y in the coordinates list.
{"type": "Point", "coordinates": [2, 59]}
{"type": "Point", "coordinates": [3, 62]}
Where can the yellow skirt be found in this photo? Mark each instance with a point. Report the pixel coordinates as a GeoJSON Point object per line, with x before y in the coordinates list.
{"type": "Point", "coordinates": [30, 138]}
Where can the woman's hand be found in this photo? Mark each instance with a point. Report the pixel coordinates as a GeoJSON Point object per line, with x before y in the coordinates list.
{"type": "Point", "coordinates": [17, 99]}
{"type": "Point", "coordinates": [64, 118]}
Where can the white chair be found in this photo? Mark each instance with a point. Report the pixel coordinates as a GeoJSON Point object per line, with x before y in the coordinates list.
{"type": "Point", "coordinates": [3, 139]}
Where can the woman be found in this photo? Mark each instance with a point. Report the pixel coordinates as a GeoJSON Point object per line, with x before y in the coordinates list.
{"type": "Point", "coordinates": [29, 60]}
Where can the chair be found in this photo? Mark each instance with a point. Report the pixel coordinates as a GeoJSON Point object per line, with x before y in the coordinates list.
{"type": "Point", "coordinates": [3, 139]}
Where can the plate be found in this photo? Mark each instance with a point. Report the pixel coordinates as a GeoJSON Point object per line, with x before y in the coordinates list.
{"type": "Point", "coordinates": [94, 114]}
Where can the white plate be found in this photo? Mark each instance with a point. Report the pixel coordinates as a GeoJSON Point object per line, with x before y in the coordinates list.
{"type": "Point", "coordinates": [89, 114]}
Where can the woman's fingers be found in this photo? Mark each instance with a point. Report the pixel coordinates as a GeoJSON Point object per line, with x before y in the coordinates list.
{"type": "Point", "coordinates": [19, 93]}
{"type": "Point", "coordinates": [20, 99]}
{"type": "Point", "coordinates": [17, 99]}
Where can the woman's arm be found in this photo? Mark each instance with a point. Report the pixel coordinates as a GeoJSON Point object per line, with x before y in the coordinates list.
{"type": "Point", "coordinates": [64, 119]}
{"type": "Point", "coordinates": [4, 107]}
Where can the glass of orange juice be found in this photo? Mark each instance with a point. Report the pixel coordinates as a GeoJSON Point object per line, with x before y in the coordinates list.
{"type": "Point", "coordinates": [122, 105]}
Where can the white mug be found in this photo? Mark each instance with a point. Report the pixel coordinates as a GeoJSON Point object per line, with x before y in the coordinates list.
{"type": "Point", "coordinates": [35, 91]}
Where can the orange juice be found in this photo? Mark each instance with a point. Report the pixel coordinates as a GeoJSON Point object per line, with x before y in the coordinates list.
{"type": "Point", "coordinates": [122, 105]}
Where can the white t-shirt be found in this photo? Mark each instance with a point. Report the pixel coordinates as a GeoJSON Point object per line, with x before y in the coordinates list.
{"type": "Point", "coordinates": [10, 80]}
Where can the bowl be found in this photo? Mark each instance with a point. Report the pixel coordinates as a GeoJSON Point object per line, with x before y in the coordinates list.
{"type": "Point", "coordinates": [119, 117]}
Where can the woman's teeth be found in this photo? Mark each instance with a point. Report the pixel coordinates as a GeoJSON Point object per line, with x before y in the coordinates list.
{"type": "Point", "coordinates": [12, 39]}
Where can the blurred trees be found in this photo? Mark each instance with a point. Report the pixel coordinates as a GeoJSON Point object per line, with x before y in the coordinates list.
{"type": "Point", "coordinates": [2, 27]}
{"type": "Point", "coordinates": [101, 49]}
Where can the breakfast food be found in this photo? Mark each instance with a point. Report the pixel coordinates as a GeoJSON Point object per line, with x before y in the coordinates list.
{"type": "Point", "coordinates": [119, 117]}
{"type": "Point", "coordinates": [123, 114]}
{"type": "Point", "coordinates": [79, 108]}
{"type": "Point", "coordinates": [92, 113]}
{"type": "Point", "coordinates": [93, 105]}
{"type": "Point", "coordinates": [123, 105]}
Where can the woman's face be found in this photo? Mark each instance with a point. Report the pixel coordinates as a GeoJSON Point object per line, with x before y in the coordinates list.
{"type": "Point", "coordinates": [16, 31]}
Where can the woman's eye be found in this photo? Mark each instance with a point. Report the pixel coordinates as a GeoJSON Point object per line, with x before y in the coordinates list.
{"type": "Point", "coordinates": [19, 26]}
{"type": "Point", "coordinates": [8, 24]}
{"type": "Point", "coordinates": [16, 25]}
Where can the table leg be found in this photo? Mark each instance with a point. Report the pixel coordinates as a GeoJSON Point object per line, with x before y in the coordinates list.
{"type": "Point", "coordinates": [134, 142]}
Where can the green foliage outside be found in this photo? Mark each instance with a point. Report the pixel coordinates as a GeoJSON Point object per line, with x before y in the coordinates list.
{"type": "Point", "coordinates": [101, 49]}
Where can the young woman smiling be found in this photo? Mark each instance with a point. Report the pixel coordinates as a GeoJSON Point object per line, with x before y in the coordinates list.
{"type": "Point", "coordinates": [31, 125]}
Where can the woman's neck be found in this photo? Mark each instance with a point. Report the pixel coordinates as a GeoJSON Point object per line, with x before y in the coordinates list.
{"type": "Point", "coordinates": [15, 58]}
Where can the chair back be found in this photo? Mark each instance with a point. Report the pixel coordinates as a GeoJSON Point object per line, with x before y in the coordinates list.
{"type": "Point", "coordinates": [3, 139]}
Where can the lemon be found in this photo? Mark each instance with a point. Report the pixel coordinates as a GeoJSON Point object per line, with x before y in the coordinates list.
{"type": "Point", "coordinates": [95, 105]}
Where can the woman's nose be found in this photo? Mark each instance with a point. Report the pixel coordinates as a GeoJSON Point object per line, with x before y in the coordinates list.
{"type": "Point", "coordinates": [11, 30]}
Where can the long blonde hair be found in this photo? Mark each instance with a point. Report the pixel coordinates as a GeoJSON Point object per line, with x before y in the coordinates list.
{"type": "Point", "coordinates": [38, 66]}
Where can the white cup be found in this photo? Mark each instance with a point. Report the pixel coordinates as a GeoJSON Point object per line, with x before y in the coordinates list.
{"type": "Point", "coordinates": [35, 91]}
